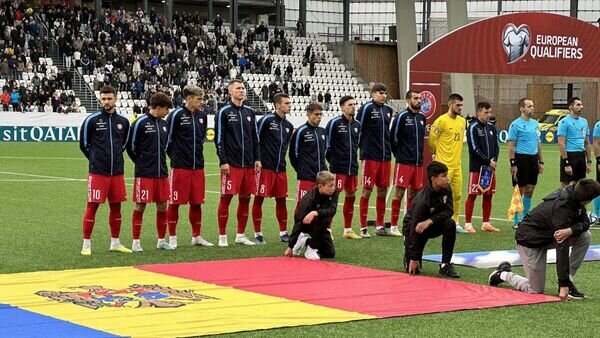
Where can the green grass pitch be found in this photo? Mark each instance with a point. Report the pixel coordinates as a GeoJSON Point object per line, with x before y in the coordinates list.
{"type": "Point", "coordinates": [42, 199]}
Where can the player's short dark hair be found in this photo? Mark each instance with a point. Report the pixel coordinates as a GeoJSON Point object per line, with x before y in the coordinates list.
{"type": "Point", "coordinates": [586, 190]}
{"type": "Point", "coordinates": [455, 97]}
{"type": "Point", "coordinates": [483, 105]}
{"type": "Point", "coordinates": [435, 168]}
{"type": "Point", "coordinates": [160, 99]}
{"type": "Point", "coordinates": [573, 99]}
{"type": "Point", "coordinates": [108, 90]}
{"type": "Point", "coordinates": [192, 91]}
{"type": "Point", "coordinates": [346, 98]}
{"type": "Point", "coordinates": [410, 92]}
{"type": "Point", "coordinates": [325, 177]}
{"type": "Point", "coordinates": [522, 102]}
{"type": "Point", "coordinates": [313, 107]}
{"type": "Point", "coordinates": [234, 81]}
{"type": "Point", "coordinates": [278, 97]}
{"type": "Point", "coordinates": [378, 87]}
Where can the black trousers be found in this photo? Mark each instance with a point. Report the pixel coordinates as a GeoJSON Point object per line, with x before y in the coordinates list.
{"type": "Point", "coordinates": [320, 237]}
{"type": "Point", "coordinates": [446, 229]}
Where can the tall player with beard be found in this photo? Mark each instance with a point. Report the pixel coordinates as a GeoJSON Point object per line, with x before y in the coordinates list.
{"type": "Point", "coordinates": [407, 139]}
{"type": "Point", "coordinates": [102, 140]}
{"type": "Point", "coordinates": [446, 142]}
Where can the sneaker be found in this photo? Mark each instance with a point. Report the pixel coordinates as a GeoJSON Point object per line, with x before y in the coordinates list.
{"type": "Point", "coordinates": [460, 230]}
{"type": "Point", "coordinates": [395, 232]}
{"type": "Point", "coordinates": [448, 271]}
{"type": "Point", "coordinates": [223, 241]}
{"type": "Point", "coordinates": [284, 238]}
{"type": "Point", "coordinates": [516, 226]}
{"type": "Point", "coordinates": [300, 244]}
{"type": "Point", "coordinates": [468, 228]}
{"type": "Point", "coordinates": [364, 233]}
{"type": "Point", "coordinates": [494, 278]}
{"type": "Point", "coordinates": [86, 251]}
{"type": "Point", "coordinates": [173, 243]}
{"type": "Point", "coordinates": [164, 246]}
{"type": "Point", "coordinates": [575, 294]}
{"type": "Point", "coordinates": [199, 241]}
{"type": "Point", "coordinates": [489, 228]}
{"type": "Point", "coordinates": [241, 239]}
{"type": "Point", "coordinates": [381, 232]}
{"type": "Point", "coordinates": [351, 235]}
{"type": "Point", "coordinates": [120, 248]}
{"type": "Point", "coordinates": [137, 248]}
{"type": "Point", "coordinates": [312, 254]}
{"type": "Point", "coordinates": [259, 240]}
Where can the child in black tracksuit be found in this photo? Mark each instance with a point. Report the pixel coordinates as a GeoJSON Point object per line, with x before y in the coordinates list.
{"type": "Point", "coordinates": [313, 215]}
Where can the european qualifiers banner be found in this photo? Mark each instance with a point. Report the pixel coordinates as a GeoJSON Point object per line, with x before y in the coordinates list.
{"type": "Point", "coordinates": [38, 134]}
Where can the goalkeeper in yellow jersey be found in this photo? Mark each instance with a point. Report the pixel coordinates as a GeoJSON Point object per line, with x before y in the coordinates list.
{"type": "Point", "coordinates": [446, 142]}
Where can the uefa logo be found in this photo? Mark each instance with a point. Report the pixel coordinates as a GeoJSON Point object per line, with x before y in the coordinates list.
{"type": "Point", "coordinates": [516, 41]}
{"type": "Point", "coordinates": [427, 103]}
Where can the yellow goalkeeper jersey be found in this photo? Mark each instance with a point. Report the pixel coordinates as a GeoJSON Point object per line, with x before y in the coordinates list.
{"type": "Point", "coordinates": [446, 139]}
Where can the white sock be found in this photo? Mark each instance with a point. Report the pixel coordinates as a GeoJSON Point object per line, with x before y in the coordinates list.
{"type": "Point", "coordinates": [394, 227]}
{"type": "Point", "coordinates": [347, 230]}
{"type": "Point", "coordinates": [256, 234]}
{"type": "Point", "coordinates": [222, 236]}
{"type": "Point", "coordinates": [240, 236]}
{"type": "Point", "coordinates": [281, 233]}
{"type": "Point", "coordinates": [87, 243]}
{"type": "Point", "coordinates": [363, 228]}
{"type": "Point", "coordinates": [136, 242]}
{"type": "Point", "coordinates": [442, 265]}
{"type": "Point", "coordinates": [160, 241]}
{"type": "Point", "coordinates": [468, 225]}
{"type": "Point", "coordinates": [173, 238]}
{"type": "Point", "coordinates": [378, 227]}
{"type": "Point", "coordinates": [504, 275]}
{"type": "Point", "coordinates": [114, 242]}
{"type": "Point", "coordinates": [486, 223]}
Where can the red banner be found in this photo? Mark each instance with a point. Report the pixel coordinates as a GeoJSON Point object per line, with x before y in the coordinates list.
{"type": "Point", "coordinates": [541, 44]}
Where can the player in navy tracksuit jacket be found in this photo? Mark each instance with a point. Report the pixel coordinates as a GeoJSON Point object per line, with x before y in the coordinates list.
{"type": "Point", "coordinates": [102, 140]}
{"type": "Point", "coordinates": [274, 133]}
{"type": "Point", "coordinates": [239, 158]}
{"type": "Point", "coordinates": [374, 117]}
{"type": "Point", "coordinates": [407, 139]}
{"type": "Point", "coordinates": [307, 150]}
{"type": "Point", "coordinates": [146, 148]}
{"type": "Point", "coordinates": [185, 145]}
{"type": "Point", "coordinates": [343, 133]}
{"type": "Point", "coordinates": [482, 140]}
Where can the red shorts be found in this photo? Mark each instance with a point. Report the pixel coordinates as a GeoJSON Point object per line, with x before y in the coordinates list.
{"type": "Point", "coordinates": [187, 186]}
{"type": "Point", "coordinates": [346, 183]}
{"type": "Point", "coordinates": [302, 187]}
{"type": "Point", "coordinates": [151, 189]}
{"type": "Point", "coordinates": [474, 181]}
{"type": "Point", "coordinates": [240, 181]}
{"type": "Point", "coordinates": [272, 184]}
{"type": "Point", "coordinates": [408, 176]}
{"type": "Point", "coordinates": [376, 173]}
{"type": "Point", "coordinates": [102, 186]}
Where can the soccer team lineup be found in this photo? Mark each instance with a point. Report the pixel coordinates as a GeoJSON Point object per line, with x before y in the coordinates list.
{"type": "Point", "coordinates": [253, 156]}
